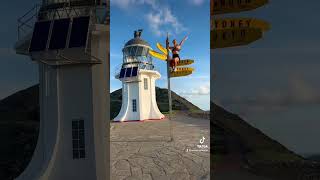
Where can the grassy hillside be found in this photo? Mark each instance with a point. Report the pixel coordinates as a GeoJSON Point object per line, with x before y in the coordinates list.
{"type": "Point", "coordinates": [256, 145]}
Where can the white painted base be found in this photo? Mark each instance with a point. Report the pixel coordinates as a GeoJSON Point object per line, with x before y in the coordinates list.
{"type": "Point", "coordinates": [147, 108]}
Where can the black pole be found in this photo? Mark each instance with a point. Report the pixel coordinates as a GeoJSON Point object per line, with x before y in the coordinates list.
{"type": "Point", "coordinates": [168, 76]}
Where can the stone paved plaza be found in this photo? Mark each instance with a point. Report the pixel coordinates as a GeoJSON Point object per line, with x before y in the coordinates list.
{"type": "Point", "coordinates": [146, 151]}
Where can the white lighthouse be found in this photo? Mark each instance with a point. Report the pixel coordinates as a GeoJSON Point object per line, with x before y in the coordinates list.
{"type": "Point", "coordinates": [68, 40]}
{"type": "Point", "coordinates": [138, 77]}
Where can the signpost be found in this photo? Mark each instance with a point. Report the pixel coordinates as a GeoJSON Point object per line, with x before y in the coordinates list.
{"type": "Point", "coordinates": [234, 6]}
{"type": "Point", "coordinates": [181, 70]}
{"type": "Point", "coordinates": [168, 76]}
{"type": "Point", "coordinates": [229, 32]}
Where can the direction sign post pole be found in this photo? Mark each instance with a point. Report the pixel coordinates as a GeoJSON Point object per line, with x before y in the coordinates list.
{"type": "Point", "coordinates": [168, 76]}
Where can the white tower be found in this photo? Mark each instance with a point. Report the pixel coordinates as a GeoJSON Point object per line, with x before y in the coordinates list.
{"type": "Point", "coordinates": [69, 41]}
{"type": "Point", "coordinates": [138, 78]}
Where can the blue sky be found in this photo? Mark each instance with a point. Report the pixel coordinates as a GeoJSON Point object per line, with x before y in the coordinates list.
{"type": "Point", "coordinates": [156, 18]}
{"type": "Point", "coordinates": [274, 82]}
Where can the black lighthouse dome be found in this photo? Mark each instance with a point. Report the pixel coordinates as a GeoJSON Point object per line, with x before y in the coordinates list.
{"type": "Point", "coordinates": [137, 40]}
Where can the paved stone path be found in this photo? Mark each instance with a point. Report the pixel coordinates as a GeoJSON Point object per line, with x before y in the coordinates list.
{"type": "Point", "coordinates": [144, 151]}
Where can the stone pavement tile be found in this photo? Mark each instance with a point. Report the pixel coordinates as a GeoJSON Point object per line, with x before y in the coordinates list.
{"type": "Point", "coordinates": [147, 177]}
{"type": "Point", "coordinates": [136, 171]}
{"type": "Point", "coordinates": [193, 168]}
{"type": "Point", "coordinates": [118, 177]}
{"type": "Point", "coordinates": [180, 176]}
{"type": "Point", "coordinates": [122, 168]}
{"type": "Point", "coordinates": [165, 165]}
{"type": "Point", "coordinates": [133, 178]}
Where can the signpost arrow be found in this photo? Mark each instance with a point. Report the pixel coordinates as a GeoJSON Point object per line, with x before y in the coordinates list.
{"type": "Point", "coordinates": [185, 62]}
{"type": "Point", "coordinates": [233, 6]}
{"type": "Point", "coordinates": [234, 37]}
{"type": "Point", "coordinates": [182, 71]}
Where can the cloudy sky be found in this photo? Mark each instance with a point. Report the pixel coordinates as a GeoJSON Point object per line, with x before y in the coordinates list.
{"type": "Point", "coordinates": [274, 82]}
{"type": "Point", "coordinates": [156, 18]}
{"type": "Point", "coordinates": [16, 72]}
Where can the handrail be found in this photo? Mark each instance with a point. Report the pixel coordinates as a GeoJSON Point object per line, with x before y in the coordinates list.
{"type": "Point", "coordinates": [35, 7]}
{"type": "Point", "coordinates": [25, 23]}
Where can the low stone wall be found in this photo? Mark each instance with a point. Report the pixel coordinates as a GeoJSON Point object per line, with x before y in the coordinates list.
{"type": "Point", "coordinates": [202, 115]}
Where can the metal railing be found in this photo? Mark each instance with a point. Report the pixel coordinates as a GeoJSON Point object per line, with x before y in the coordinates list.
{"type": "Point", "coordinates": [141, 65]}
{"type": "Point", "coordinates": [98, 14]}
{"type": "Point", "coordinates": [26, 22]}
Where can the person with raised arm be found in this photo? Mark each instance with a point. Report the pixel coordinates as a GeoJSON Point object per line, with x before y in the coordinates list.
{"type": "Point", "coordinates": [175, 49]}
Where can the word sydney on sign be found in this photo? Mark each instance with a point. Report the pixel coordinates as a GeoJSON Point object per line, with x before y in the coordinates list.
{"type": "Point", "coordinates": [227, 23]}
{"type": "Point", "coordinates": [232, 6]}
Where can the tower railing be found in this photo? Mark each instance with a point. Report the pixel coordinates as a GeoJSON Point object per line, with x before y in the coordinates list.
{"type": "Point", "coordinates": [26, 22]}
{"type": "Point", "coordinates": [61, 10]}
{"type": "Point", "coordinates": [141, 65]}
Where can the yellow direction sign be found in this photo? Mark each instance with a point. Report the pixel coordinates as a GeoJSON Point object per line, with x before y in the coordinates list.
{"type": "Point", "coordinates": [227, 23]}
{"type": "Point", "coordinates": [182, 71]}
{"type": "Point", "coordinates": [158, 55]}
{"type": "Point", "coordinates": [162, 49]}
{"type": "Point", "coordinates": [185, 62]}
{"type": "Point", "coordinates": [233, 6]}
{"type": "Point", "coordinates": [234, 37]}
{"type": "Point", "coordinates": [164, 58]}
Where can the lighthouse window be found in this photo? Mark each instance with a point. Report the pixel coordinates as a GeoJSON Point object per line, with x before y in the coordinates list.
{"type": "Point", "coordinates": [132, 51]}
{"type": "Point", "coordinates": [78, 143]}
{"type": "Point", "coordinates": [145, 52]}
{"type": "Point", "coordinates": [40, 36]}
{"type": "Point", "coordinates": [122, 72]}
{"type": "Point", "coordinates": [128, 73]}
{"type": "Point", "coordinates": [145, 82]}
{"type": "Point", "coordinates": [126, 51]}
{"type": "Point", "coordinates": [139, 51]}
{"type": "Point", "coordinates": [59, 34]}
{"type": "Point", "coordinates": [134, 71]}
{"type": "Point", "coordinates": [79, 32]}
{"type": "Point", "coordinates": [134, 105]}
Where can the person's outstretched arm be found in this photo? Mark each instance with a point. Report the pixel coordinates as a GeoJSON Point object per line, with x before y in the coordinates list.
{"type": "Point", "coordinates": [183, 40]}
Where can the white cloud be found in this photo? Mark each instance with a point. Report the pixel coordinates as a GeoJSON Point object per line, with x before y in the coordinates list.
{"type": "Point", "coordinates": [197, 2]}
{"type": "Point", "coordinates": [126, 4]}
{"type": "Point", "coordinates": [202, 90]}
{"type": "Point", "coordinates": [297, 92]}
{"type": "Point", "coordinates": [115, 55]}
{"type": "Point", "coordinates": [160, 18]}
